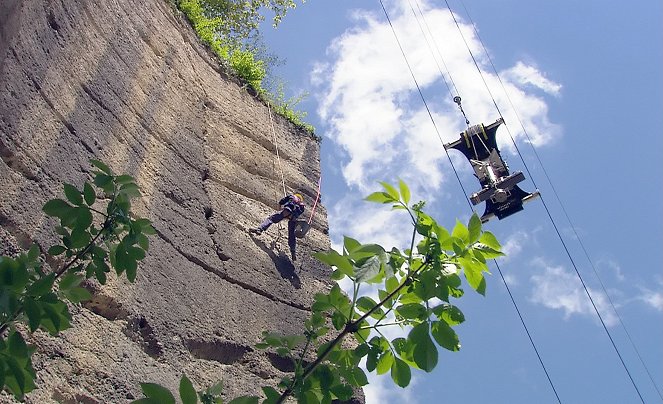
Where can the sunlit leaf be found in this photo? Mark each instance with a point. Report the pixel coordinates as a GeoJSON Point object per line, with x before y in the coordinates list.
{"type": "Point", "coordinates": [474, 228]}
{"type": "Point", "coordinates": [405, 191]}
{"type": "Point", "coordinates": [461, 232]}
{"type": "Point", "coordinates": [379, 197]}
{"type": "Point", "coordinates": [385, 363]}
{"type": "Point", "coordinates": [369, 270]}
{"type": "Point", "coordinates": [391, 190]}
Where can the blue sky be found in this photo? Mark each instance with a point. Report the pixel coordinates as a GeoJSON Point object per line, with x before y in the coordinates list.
{"type": "Point", "coordinates": [585, 79]}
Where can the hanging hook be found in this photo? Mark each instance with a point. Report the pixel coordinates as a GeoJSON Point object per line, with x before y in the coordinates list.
{"type": "Point", "coordinates": [457, 101]}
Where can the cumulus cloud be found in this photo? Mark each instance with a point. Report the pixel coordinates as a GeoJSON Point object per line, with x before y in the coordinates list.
{"type": "Point", "coordinates": [559, 289]}
{"type": "Point", "coordinates": [381, 390]}
{"type": "Point", "coordinates": [524, 74]}
{"type": "Point", "coordinates": [371, 109]}
{"type": "Point", "coordinates": [653, 298]}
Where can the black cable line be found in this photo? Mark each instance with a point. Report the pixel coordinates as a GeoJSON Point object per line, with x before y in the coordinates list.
{"type": "Point", "coordinates": [559, 201]}
{"type": "Point", "coordinates": [471, 207]}
{"type": "Point", "coordinates": [546, 206]}
{"type": "Point", "coordinates": [430, 114]}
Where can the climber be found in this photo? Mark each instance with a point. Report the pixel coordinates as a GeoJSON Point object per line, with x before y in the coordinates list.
{"type": "Point", "coordinates": [292, 206]}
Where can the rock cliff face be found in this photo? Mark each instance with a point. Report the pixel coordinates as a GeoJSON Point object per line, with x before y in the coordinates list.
{"type": "Point", "coordinates": [127, 82]}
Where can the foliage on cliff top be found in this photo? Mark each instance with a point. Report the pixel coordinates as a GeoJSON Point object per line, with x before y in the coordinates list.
{"type": "Point", "coordinates": [230, 29]}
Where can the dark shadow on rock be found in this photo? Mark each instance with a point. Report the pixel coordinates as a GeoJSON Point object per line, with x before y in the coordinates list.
{"type": "Point", "coordinates": [283, 265]}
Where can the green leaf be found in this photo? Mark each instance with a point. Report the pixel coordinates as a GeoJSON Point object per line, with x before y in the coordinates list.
{"type": "Point", "coordinates": [379, 197]}
{"type": "Point", "coordinates": [271, 394]}
{"type": "Point", "coordinates": [474, 228]}
{"type": "Point", "coordinates": [445, 336]}
{"type": "Point", "coordinates": [73, 195]}
{"type": "Point", "coordinates": [412, 311]}
{"type": "Point", "coordinates": [400, 373]}
{"type": "Point", "coordinates": [157, 392]}
{"type": "Point", "coordinates": [342, 391]}
{"type": "Point", "coordinates": [130, 190]}
{"type": "Point", "coordinates": [187, 392]}
{"type": "Point", "coordinates": [489, 239]}
{"type": "Point", "coordinates": [103, 167]}
{"type": "Point", "coordinates": [350, 244]}
{"type": "Point", "coordinates": [33, 253]}
{"type": "Point", "coordinates": [405, 191]}
{"type": "Point", "coordinates": [57, 208]}
{"type": "Point", "coordinates": [83, 217]}
{"type": "Point", "coordinates": [245, 400]}
{"type": "Point", "coordinates": [461, 232]}
{"type": "Point", "coordinates": [33, 312]}
{"type": "Point", "coordinates": [474, 275]}
{"type": "Point", "coordinates": [365, 304]}
{"type": "Point", "coordinates": [333, 258]}
{"type": "Point", "coordinates": [17, 379]}
{"type": "Point", "coordinates": [424, 351]}
{"type": "Point", "coordinates": [338, 320]}
{"type": "Point", "coordinates": [79, 237]}
{"type": "Point", "coordinates": [89, 194]}
{"type": "Point", "coordinates": [56, 250]}
{"type": "Point", "coordinates": [104, 182]}
{"type": "Point", "coordinates": [385, 363]}
{"type": "Point", "coordinates": [17, 346]}
{"type": "Point", "coordinates": [70, 280]}
{"type": "Point", "coordinates": [136, 253]}
{"type": "Point", "coordinates": [449, 313]}
{"type": "Point", "coordinates": [77, 295]}
{"type": "Point", "coordinates": [42, 286]}
{"type": "Point", "coordinates": [124, 179]}
{"type": "Point", "coordinates": [369, 270]}
{"type": "Point", "coordinates": [487, 251]}
{"type": "Point", "coordinates": [390, 190]}
{"type": "Point", "coordinates": [215, 390]}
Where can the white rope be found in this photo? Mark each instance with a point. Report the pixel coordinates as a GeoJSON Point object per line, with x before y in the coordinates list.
{"type": "Point", "coordinates": [276, 146]}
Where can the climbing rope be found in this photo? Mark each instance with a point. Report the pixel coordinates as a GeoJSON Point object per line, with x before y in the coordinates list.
{"type": "Point", "coordinates": [317, 197]}
{"type": "Point", "coordinates": [276, 146]}
{"type": "Point", "coordinates": [278, 159]}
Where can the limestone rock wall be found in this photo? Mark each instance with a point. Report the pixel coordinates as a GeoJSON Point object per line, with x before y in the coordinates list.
{"type": "Point", "coordinates": [128, 83]}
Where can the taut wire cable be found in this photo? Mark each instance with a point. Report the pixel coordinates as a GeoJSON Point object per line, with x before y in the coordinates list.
{"type": "Point", "coordinates": [465, 195]}
{"type": "Point", "coordinates": [542, 198]}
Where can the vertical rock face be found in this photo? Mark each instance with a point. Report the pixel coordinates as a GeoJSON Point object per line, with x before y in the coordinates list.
{"type": "Point", "coordinates": [127, 82]}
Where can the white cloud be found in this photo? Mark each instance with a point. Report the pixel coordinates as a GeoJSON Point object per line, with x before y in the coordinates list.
{"type": "Point", "coordinates": [558, 289]}
{"type": "Point", "coordinates": [514, 244]}
{"type": "Point", "coordinates": [613, 267]}
{"type": "Point", "coordinates": [382, 390]}
{"type": "Point", "coordinates": [525, 74]}
{"type": "Point", "coordinates": [653, 298]}
{"type": "Point", "coordinates": [372, 111]}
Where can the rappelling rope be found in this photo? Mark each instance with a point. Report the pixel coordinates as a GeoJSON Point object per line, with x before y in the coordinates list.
{"type": "Point", "coordinates": [276, 146]}
{"type": "Point", "coordinates": [465, 194]}
{"type": "Point", "coordinates": [542, 199]}
{"type": "Point", "coordinates": [310, 219]}
{"type": "Point", "coordinates": [278, 159]}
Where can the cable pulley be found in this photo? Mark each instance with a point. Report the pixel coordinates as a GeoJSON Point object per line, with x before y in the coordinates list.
{"type": "Point", "coordinates": [457, 101]}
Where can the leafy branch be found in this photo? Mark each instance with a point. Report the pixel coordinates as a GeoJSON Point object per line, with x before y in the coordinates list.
{"type": "Point", "coordinates": [33, 297]}
{"type": "Point", "coordinates": [415, 289]}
